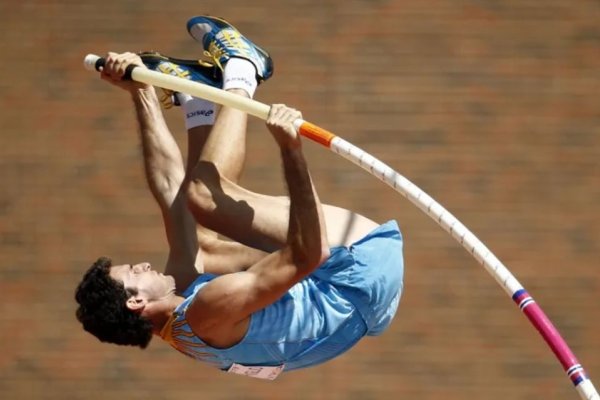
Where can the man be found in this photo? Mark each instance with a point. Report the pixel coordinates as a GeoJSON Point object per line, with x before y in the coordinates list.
{"type": "Point", "coordinates": [295, 283]}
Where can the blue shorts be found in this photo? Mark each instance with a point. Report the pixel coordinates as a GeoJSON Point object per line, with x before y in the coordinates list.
{"type": "Point", "coordinates": [369, 274]}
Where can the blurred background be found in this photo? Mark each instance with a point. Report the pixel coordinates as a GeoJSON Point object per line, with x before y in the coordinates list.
{"type": "Point", "coordinates": [492, 107]}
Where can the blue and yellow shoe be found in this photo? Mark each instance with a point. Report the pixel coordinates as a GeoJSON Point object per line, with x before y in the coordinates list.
{"type": "Point", "coordinates": [221, 41]}
{"type": "Point", "coordinates": [194, 70]}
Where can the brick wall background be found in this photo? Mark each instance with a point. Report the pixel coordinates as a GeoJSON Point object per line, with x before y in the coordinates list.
{"type": "Point", "coordinates": [491, 107]}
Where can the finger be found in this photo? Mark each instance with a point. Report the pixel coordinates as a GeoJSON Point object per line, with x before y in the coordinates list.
{"type": "Point", "coordinates": [111, 57]}
{"type": "Point", "coordinates": [275, 114]}
{"type": "Point", "coordinates": [108, 63]}
{"type": "Point", "coordinates": [271, 112]}
{"type": "Point", "coordinates": [288, 116]}
{"type": "Point", "coordinates": [291, 115]}
{"type": "Point", "coordinates": [131, 58]}
{"type": "Point", "coordinates": [118, 64]}
{"type": "Point", "coordinates": [279, 111]}
{"type": "Point", "coordinates": [121, 65]}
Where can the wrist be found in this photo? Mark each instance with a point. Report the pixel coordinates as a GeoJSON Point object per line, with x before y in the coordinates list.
{"type": "Point", "coordinates": [293, 154]}
{"type": "Point", "coordinates": [142, 90]}
{"type": "Point", "coordinates": [146, 94]}
{"type": "Point", "coordinates": [290, 145]}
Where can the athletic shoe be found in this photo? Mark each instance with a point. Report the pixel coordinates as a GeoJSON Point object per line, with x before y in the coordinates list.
{"type": "Point", "coordinates": [194, 70]}
{"type": "Point", "coordinates": [221, 41]}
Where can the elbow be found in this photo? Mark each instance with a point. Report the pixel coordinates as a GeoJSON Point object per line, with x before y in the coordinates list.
{"type": "Point", "coordinates": [198, 202]}
{"type": "Point", "coordinates": [322, 250]}
{"type": "Point", "coordinates": [309, 250]}
{"type": "Point", "coordinates": [325, 253]}
{"type": "Point", "coordinates": [307, 260]}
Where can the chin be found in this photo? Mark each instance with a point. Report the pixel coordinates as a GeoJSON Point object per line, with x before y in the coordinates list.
{"type": "Point", "coordinates": [171, 281]}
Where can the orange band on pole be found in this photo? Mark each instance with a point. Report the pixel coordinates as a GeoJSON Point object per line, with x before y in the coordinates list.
{"type": "Point", "coordinates": [315, 133]}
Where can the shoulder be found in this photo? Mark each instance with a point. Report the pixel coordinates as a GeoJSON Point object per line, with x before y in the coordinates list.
{"type": "Point", "coordinates": [194, 285]}
{"type": "Point", "coordinates": [211, 312]}
{"type": "Point", "coordinates": [213, 299]}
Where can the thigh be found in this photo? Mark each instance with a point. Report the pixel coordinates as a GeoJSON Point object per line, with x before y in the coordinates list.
{"type": "Point", "coordinates": [261, 221]}
{"type": "Point", "coordinates": [345, 227]}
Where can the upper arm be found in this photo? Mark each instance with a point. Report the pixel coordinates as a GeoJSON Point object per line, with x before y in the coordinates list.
{"type": "Point", "coordinates": [185, 261]}
{"type": "Point", "coordinates": [231, 298]}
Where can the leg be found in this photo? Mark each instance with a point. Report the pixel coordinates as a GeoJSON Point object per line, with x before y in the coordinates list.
{"type": "Point", "coordinates": [258, 220]}
{"type": "Point", "coordinates": [196, 140]}
{"type": "Point", "coordinates": [215, 199]}
{"type": "Point", "coordinates": [223, 144]}
{"type": "Point", "coordinates": [225, 147]}
{"type": "Point", "coordinates": [199, 117]}
{"type": "Point", "coordinates": [243, 66]}
{"type": "Point", "coordinates": [221, 140]}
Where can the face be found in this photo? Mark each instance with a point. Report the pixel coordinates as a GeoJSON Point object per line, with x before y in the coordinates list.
{"type": "Point", "coordinates": [149, 284]}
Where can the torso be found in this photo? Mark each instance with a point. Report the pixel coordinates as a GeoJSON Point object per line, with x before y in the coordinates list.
{"type": "Point", "coordinates": [343, 228]}
{"type": "Point", "coordinates": [224, 336]}
{"type": "Point", "coordinates": [305, 327]}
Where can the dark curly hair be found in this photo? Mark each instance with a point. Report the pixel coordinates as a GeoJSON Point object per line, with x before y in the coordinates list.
{"type": "Point", "coordinates": [103, 310]}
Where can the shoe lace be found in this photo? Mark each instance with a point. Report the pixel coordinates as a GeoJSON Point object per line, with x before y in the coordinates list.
{"type": "Point", "coordinates": [229, 39]}
{"type": "Point", "coordinates": [205, 63]}
{"type": "Point", "coordinates": [215, 53]}
{"type": "Point", "coordinates": [166, 98]}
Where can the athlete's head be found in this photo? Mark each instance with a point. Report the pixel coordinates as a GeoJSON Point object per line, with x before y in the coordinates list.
{"type": "Point", "coordinates": [112, 300]}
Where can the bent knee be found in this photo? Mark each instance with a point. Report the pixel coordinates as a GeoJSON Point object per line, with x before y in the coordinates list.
{"type": "Point", "coordinates": [200, 190]}
{"type": "Point", "coordinates": [198, 199]}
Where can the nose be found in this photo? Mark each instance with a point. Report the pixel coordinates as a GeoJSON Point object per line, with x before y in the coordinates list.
{"type": "Point", "coordinates": [142, 267]}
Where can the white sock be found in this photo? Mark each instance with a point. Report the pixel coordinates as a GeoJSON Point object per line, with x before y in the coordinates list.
{"type": "Point", "coordinates": [196, 111]}
{"type": "Point", "coordinates": [240, 74]}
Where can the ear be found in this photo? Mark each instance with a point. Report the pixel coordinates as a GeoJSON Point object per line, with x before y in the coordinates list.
{"type": "Point", "coordinates": [136, 304]}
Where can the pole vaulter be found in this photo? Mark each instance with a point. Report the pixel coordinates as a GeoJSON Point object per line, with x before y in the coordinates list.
{"type": "Point", "coordinates": [418, 197]}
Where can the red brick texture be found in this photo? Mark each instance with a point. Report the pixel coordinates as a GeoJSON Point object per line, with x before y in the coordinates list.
{"type": "Point", "coordinates": [492, 107]}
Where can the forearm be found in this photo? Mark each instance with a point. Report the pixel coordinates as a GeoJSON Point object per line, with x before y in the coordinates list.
{"type": "Point", "coordinates": [163, 162]}
{"type": "Point", "coordinates": [307, 236]}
